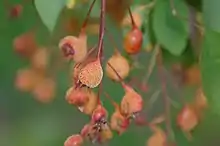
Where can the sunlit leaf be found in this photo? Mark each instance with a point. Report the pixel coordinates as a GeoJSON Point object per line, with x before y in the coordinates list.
{"type": "Point", "coordinates": [49, 11]}
{"type": "Point", "coordinates": [171, 32]}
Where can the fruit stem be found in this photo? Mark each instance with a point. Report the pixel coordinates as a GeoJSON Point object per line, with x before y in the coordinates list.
{"type": "Point", "coordinates": [111, 100]}
{"type": "Point", "coordinates": [101, 29]}
{"type": "Point", "coordinates": [83, 29]}
{"type": "Point", "coordinates": [164, 92]}
{"type": "Point", "coordinates": [132, 18]}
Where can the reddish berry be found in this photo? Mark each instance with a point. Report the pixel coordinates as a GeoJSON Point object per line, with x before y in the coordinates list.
{"type": "Point", "coordinates": [133, 41]}
{"type": "Point", "coordinates": [99, 113]}
{"type": "Point", "coordinates": [74, 140]}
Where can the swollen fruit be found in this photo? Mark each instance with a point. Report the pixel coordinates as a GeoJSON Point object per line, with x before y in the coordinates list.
{"type": "Point", "coordinates": [187, 119]}
{"type": "Point", "coordinates": [74, 48]}
{"type": "Point", "coordinates": [132, 102]}
{"type": "Point", "coordinates": [74, 140]}
{"type": "Point", "coordinates": [40, 59]}
{"type": "Point", "coordinates": [120, 64]}
{"type": "Point", "coordinates": [91, 104]}
{"type": "Point", "coordinates": [133, 41]}
{"type": "Point", "coordinates": [45, 90]}
{"type": "Point", "coordinates": [91, 75]}
{"type": "Point", "coordinates": [26, 79]}
{"type": "Point", "coordinates": [78, 97]}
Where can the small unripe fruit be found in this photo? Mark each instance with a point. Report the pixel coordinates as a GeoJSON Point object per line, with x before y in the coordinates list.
{"type": "Point", "coordinates": [120, 64]}
{"type": "Point", "coordinates": [25, 44]}
{"type": "Point", "coordinates": [45, 90]}
{"type": "Point", "coordinates": [187, 119]}
{"type": "Point", "coordinates": [131, 103]}
{"type": "Point", "coordinates": [200, 99]}
{"type": "Point", "coordinates": [26, 79]}
{"type": "Point", "coordinates": [118, 122]}
{"type": "Point", "coordinates": [99, 113]}
{"type": "Point", "coordinates": [74, 48]}
{"type": "Point", "coordinates": [74, 140]}
{"type": "Point", "coordinates": [78, 97]}
{"type": "Point", "coordinates": [40, 59]}
{"type": "Point", "coordinates": [158, 138]}
{"type": "Point", "coordinates": [91, 105]}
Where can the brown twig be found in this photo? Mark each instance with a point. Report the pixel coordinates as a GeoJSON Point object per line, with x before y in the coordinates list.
{"type": "Point", "coordinates": [101, 37]}
{"type": "Point", "coordinates": [87, 18]}
{"type": "Point", "coordinates": [132, 18]}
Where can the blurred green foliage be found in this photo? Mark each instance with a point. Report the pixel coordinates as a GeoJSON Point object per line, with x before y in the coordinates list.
{"type": "Point", "coordinates": [26, 122]}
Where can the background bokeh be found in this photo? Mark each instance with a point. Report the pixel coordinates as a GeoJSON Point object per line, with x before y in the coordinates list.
{"type": "Point", "coordinates": [24, 121]}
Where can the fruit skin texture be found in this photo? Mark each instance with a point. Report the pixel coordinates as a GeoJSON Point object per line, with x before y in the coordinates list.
{"type": "Point", "coordinates": [91, 75]}
{"type": "Point", "coordinates": [131, 103]}
{"type": "Point", "coordinates": [78, 97]}
{"type": "Point", "coordinates": [133, 41]}
{"type": "Point", "coordinates": [74, 140]}
{"type": "Point", "coordinates": [120, 64]}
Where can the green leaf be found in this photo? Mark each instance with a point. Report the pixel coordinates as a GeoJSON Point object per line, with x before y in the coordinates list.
{"type": "Point", "coordinates": [171, 32]}
{"type": "Point", "coordinates": [211, 10]}
{"type": "Point", "coordinates": [210, 68]}
{"type": "Point", "coordinates": [49, 11]}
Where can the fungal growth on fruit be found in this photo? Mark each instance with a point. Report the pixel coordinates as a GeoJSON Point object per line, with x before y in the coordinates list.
{"type": "Point", "coordinates": [74, 48]}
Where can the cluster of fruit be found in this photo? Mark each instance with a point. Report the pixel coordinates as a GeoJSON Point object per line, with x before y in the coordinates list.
{"type": "Point", "coordinates": [34, 79]}
{"type": "Point", "coordinates": [88, 74]}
